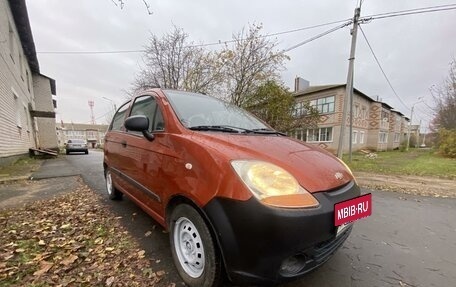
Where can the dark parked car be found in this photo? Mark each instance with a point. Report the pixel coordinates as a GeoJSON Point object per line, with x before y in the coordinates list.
{"type": "Point", "coordinates": [76, 145]}
{"type": "Point", "coordinates": [235, 195]}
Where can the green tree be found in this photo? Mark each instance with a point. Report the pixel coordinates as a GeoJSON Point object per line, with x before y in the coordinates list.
{"type": "Point", "coordinates": [445, 110]}
{"type": "Point", "coordinates": [447, 142]}
{"type": "Point", "coordinates": [274, 104]}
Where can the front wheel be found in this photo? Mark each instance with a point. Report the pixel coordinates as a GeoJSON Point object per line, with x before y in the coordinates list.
{"type": "Point", "coordinates": [193, 248]}
{"type": "Point", "coordinates": [113, 193]}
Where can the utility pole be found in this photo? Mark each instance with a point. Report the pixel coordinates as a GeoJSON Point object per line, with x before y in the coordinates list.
{"type": "Point", "coordinates": [420, 99]}
{"type": "Point", "coordinates": [349, 89]}
{"type": "Point", "coordinates": [409, 129]}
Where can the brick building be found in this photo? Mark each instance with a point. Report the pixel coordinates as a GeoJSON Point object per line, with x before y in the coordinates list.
{"type": "Point", "coordinates": [376, 125]}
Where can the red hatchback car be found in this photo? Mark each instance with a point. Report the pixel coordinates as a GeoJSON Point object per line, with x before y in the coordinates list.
{"type": "Point", "coordinates": [236, 195]}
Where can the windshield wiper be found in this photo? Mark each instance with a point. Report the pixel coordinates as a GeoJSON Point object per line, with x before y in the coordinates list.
{"type": "Point", "coordinates": [267, 132]}
{"type": "Point", "coordinates": [226, 129]}
{"type": "Point", "coordinates": [233, 129]}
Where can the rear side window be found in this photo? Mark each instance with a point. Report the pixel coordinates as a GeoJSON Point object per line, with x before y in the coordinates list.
{"type": "Point", "coordinates": [147, 106]}
{"type": "Point", "coordinates": [119, 118]}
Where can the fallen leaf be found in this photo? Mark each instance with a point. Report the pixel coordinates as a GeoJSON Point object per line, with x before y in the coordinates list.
{"type": "Point", "coordinates": [44, 267]}
{"type": "Point", "coordinates": [141, 253]}
{"type": "Point", "coordinates": [65, 226]}
{"type": "Point", "coordinates": [99, 240]}
{"type": "Point", "coordinates": [41, 243]}
{"type": "Point", "coordinates": [19, 250]}
{"type": "Point", "coordinates": [69, 260]}
{"type": "Point", "coordinates": [109, 281]}
{"type": "Point", "coordinates": [160, 273]}
{"type": "Point", "coordinates": [148, 233]}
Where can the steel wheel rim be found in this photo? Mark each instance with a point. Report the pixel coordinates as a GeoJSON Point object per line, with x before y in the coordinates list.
{"type": "Point", "coordinates": [189, 247]}
{"type": "Point", "coordinates": [109, 182]}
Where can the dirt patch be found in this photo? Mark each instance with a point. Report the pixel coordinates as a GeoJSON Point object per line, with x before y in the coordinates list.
{"type": "Point", "coordinates": [417, 185]}
{"type": "Point", "coordinates": [70, 240]}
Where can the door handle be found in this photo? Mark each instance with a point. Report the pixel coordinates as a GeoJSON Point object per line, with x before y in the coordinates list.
{"type": "Point", "coordinates": [123, 143]}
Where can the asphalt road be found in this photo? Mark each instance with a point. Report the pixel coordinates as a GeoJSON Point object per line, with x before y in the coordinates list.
{"type": "Point", "coordinates": [408, 240]}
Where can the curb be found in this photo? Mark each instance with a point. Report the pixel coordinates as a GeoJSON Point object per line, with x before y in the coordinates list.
{"type": "Point", "coordinates": [15, 178]}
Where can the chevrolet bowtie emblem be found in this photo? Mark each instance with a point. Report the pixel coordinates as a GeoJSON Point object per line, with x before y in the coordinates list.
{"type": "Point", "coordinates": [338, 175]}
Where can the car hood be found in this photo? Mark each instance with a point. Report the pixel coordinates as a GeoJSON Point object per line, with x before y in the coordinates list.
{"type": "Point", "coordinates": [315, 169]}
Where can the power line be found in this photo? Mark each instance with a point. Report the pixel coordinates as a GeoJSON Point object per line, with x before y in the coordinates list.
{"type": "Point", "coordinates": [380, 66]}
{"type": "Point", "coordinates": [196, 45]}
{"type": "Point", "coordinates": [317, 36]}
{"type": "Point", "coordinates": [410, 12]}
{"type": "Point", "coordinates": [364, 18]}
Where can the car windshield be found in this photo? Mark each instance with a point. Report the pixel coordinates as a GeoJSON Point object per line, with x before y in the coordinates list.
{"type": "Point", "coordinates": [197, 110]}
{"type": "Point", "coordinates": [76, 141]}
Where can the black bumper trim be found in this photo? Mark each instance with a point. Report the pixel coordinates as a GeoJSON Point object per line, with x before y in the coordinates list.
{"type": "Point", "coordinates": [255, 239]}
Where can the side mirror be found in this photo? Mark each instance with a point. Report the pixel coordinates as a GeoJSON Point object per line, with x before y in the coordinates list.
{"type": "Point", "coordinates": [139, 123]}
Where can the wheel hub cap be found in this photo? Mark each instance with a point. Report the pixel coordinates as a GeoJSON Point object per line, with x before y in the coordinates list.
{"type": "Point", "coordinates": [189, 247]}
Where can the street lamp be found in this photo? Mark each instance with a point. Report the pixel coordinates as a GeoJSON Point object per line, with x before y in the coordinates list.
{"type": "Point", "coordinates": [113, 103]}
{"type": "Point", "coordinates": [420, 99]}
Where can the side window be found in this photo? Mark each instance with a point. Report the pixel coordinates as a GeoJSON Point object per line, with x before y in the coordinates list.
{"type": "Point", "coordinates": [119, 118]}
{"type": "Point", "coordinates": [147, 106]}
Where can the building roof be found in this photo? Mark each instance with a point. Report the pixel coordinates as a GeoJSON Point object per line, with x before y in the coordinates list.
{"type": "Point", "coordinates": [20, 15]}
{"type": "Point", "coordinates": [314, 89]}
{"type": "Point", "coordinates": [81, 127]}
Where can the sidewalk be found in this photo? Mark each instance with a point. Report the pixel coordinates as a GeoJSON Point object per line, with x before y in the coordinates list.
{"type": "Point", "coordinates": [46, 179]}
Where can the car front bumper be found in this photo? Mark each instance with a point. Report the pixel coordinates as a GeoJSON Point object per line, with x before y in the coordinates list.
{"type": "Point", "coordinates": [76, 149]}
{"type": "Point", "coordinates": [256, 240]}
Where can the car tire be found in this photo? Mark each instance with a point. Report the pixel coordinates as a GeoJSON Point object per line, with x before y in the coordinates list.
{"type": "Point", "coordinates": [67, 152]}
{"type": "Point", "coordinates": [86, 152]}
{"type": "Point", "coordinates": [113, 193]}
{"type": "Point", "coordinates": [191, 241]}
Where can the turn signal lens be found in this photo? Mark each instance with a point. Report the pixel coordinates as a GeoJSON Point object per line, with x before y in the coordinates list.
{"type": "Point", "coordinates": [273, 185]}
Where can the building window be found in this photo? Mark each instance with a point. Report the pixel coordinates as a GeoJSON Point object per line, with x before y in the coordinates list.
{"type": "Point", "coordinates": [361, 137]}
{"type": "Point", "coordinates": [319, 135]}
{"type": "Point", "coordinates": [17, 108]}
{"type": "Point", "coordinates": [324, 105]}
{"type": "Point", "coordinates": [357, 112]}
{"type": "Point", "coordinates": [27, 119]}
{"type": "Point", "coordinates": [299, 109]}
{"type": "Point", "coordinates": [21, 66]}
{"type": "Point", "coordinates": [397, 137]}
{"type": "Point", "coordinates": [364, 112]}
{"type": "Point", "coordinates": [383, 137]}
{"type": "Point", "coordinates": [355, 137]}
{"type": "Point", "coordinates": [11, 41]}
{"type": "Point", "coordinates": [27, 76]}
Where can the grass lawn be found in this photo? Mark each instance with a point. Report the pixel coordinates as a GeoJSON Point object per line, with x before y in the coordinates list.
{"type": "Point", "coordinates": [414, 162]}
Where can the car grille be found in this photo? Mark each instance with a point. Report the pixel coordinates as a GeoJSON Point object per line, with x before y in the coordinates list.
{"type": "Point", "coordinates": [315, 256]}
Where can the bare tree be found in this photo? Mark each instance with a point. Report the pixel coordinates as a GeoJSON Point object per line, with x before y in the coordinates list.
{"type": "Point", "coordinates": [121, 4]}
{"type": "Point", "coordinates": [250, 61]}
{"type": "Point", "coordinates": [174, 63]}
{"type": "Point", "coordinates": [445, 101]}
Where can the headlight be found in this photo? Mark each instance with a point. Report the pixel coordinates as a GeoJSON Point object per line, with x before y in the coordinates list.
{"type": "Point", "coordinates": [273, 185]}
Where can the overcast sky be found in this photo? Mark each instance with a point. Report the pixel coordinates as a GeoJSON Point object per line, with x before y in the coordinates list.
{"type": "Point", "coordinates": [414, 50]}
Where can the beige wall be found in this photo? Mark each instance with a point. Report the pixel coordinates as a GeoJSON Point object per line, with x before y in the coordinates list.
{"type": "Point", "coordinates": [16, 91]}
{"type": "Point", "coordinates": [360, 119]}
{"type": "Point", "coordinates": [43, 102]}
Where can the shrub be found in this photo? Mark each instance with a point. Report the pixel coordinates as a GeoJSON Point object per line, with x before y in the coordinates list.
{"type": "Point", "coordinates": [447, 142]}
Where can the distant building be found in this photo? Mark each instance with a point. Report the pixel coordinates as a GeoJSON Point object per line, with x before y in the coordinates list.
{"type": "Point", "coordinates": [26, 104]}
{"type": "Point", "coordinates": [92, 134]}
{"type": "Point", "coordinates": [376, 125]}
